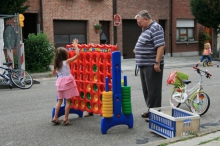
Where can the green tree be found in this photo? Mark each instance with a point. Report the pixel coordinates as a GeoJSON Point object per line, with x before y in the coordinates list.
{"type": "Point", "coordinates": [207, 13]}
{"type": "Point", "coordinates": [11, 7]}
{"type": "Point", "coordinates": [203, 37]}
{"type": "Point", "coordinates": [39, 53]}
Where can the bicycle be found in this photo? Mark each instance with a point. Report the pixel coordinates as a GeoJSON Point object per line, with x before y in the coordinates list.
{"type": "Point", "coordinates": [195, 98]}
{"type": "Point", "coordinates": [18, 77]}
{"type": "Point", "coordinates": [206, 62]}
{"type": "Point", "coordinates": [136, 70]}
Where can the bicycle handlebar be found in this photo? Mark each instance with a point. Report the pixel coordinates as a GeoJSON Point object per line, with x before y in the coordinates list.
{"type": "Point", "coordinates": [206, 72]}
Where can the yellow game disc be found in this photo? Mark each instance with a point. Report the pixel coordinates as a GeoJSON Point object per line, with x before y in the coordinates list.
{"type": "Point", "coordinates": [107, 115]}
{"type": "Point", "coordinates": [95, 78]}
{"type": "Point", "coordinates": [106, 100]}
{"type": "Point", "coordinates": [95, 108]}
{"type": "Point", "coordinates": [95, 97]}
{"type": "Point", "coordinates": [107, 109]}
{"type": "Point", "coordinates": [107, 105]}
{"type": "Point", "coordinates": [82, 104]}
{"type": "Point", "coordinates": [88, 87]}
{"type": "Point", "coordinates": [107, 93]}
{"type": "Point", "coordinates": [107, 112]}
{"type": "Point", "coordinates": [76, 103]}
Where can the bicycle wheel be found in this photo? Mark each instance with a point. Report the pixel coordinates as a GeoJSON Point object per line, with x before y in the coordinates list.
{"type": "Point", "coordinates": [173, 102]}
{"type": "Point", "coordinates": [21, 79]}
{"type": "Point", "coordinates": [136, 70]}
{"type": "Point", "coordinates": [200, 107]}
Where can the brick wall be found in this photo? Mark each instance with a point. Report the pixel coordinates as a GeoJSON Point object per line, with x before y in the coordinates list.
{"type": "Point", "coordinates": [34, 6]}
{"type": "Point", "coordinates": [181, 10]}
{"type": "Point", "coordinates": [158, 9]}
{"type": "Point", "coordinates": [92, 11]}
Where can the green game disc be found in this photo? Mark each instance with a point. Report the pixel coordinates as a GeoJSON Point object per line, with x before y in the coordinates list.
{"type": "Point", "coordinates": [82, 95]}
{"type": "Point", "coordinates": [127, 112]}
{"type": "Point", "coordinates": [126, 100]}
{"type": "Point", "coordinates": [126, 94]}
{"type": "Point", "coordinates": [95, 68]}
{"type": "Point", "coordinates": [88, 105]}
{"type": "Point", "coordinates": [88, 96]}
{"type": "Point", "coordinates": [126, 88]}
{"type": "Point", "coordinates": [95, 88]}
{"type": "Point", "coordinates": [126, 97]}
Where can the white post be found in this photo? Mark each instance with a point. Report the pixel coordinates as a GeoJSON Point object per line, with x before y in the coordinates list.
{"type": "Point", "coordinates": [22, 57]}
{"type": "Point", "coordinates": [10, 57]}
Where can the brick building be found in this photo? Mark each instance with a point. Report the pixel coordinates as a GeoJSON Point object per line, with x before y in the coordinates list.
{"type": "Point", "coordinates": [63, 20]}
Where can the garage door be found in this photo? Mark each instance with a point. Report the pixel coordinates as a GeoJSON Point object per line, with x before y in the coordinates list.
{"type": "Point", "coordinates": [131, 32]}
{"type": "Point", "coordinates": [65, 31]}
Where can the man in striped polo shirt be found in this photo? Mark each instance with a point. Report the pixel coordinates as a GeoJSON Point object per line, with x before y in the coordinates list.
{"type": "Point", "coordinates": [149, 51]}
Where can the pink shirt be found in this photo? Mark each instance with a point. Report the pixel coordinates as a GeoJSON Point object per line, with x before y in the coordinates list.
{"type": "Point", "coordinates": [207, 52]}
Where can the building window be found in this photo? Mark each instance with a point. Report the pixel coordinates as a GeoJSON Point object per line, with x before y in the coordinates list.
{"type": "Point", "coordinates": [69, 38]}
{"type": "Point", "coordinates": [185, 30]}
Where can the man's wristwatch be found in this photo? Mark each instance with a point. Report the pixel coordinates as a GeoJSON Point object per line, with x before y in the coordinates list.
{"type": "Point", "coordinates": [156, 62]}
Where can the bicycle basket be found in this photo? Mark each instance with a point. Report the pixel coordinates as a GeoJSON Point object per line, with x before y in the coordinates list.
{"type": "Point", "coordinates": [175, 78]}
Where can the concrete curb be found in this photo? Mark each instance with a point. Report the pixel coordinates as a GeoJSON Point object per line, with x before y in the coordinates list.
{"type": "Point", "coordinates": [184, 138]}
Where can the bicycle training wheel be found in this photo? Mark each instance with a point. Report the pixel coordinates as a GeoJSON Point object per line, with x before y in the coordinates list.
{"type": "Point", "coordinates": [204, 64]}
{"type": "Point", "coordinates": [173, 102]}
{"type": "Point", "coordinates": [136, 70]}
{"type": "Point", "coordinates": [21, 79]}
{"type": "Point", "coordinates": [202, 105]}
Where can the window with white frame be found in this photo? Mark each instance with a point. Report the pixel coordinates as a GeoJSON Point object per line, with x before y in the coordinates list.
{"type": "Point", "coordinates": [185, 30]}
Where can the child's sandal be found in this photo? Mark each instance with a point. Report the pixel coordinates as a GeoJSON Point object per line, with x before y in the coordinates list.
{"type": "Point", "coordinates": [56, 122]}
{"type": "Point", "coordinates": [66, 123]}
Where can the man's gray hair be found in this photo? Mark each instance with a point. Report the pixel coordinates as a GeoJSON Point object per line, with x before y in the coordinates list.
{"type": "Point", "coordinates": [143, 14]}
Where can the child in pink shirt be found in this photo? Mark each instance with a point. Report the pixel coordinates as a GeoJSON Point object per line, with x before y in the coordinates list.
{"type": "Point", "coordinates": [206, 53]}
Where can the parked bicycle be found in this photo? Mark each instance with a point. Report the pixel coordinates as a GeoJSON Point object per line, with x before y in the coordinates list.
{"type": "Point", "coordinates": [195, 98]}
{"type": "Point", "coordinates": [136, 70]}
{"type": "Point", "coordinates": [17, 77]}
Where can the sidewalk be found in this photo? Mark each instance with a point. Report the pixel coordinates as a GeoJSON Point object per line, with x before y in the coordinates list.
{"type": "Point", "coordinates": [209, 137]}
{"type": "Point", "coordinates": [206, 140]}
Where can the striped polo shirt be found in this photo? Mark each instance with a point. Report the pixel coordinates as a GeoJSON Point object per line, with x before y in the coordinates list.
{"type": "Point", "coordinates": [146, 47]}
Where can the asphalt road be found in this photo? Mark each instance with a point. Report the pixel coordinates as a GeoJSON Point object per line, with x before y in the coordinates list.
{"type": "Point", "coordinates": [25, 115]}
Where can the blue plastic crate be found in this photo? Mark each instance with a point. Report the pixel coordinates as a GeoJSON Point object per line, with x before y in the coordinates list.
{"type": "Point", "coordinates": [170, 122]}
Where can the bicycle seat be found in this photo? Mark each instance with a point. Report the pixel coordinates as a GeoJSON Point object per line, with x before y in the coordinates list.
{"type": "Point", "coordinates": [186, 81]}
{"type": "Point", "coordinates": [8, 64]}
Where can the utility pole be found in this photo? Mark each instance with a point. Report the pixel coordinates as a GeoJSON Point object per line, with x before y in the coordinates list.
{"type": "Point", "coordinates": [18, 38]}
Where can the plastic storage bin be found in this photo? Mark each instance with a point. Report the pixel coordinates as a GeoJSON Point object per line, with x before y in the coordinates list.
{"type": "Point", "coordinates": [170, 122]}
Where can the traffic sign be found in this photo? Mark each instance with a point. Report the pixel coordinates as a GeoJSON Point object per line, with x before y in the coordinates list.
{"type": "Point", "coordinates": [117, 20]}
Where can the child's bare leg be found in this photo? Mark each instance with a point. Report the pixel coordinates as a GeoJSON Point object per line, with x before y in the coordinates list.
{"type": "Point", "coordinates": [197, 64]}
{"type": "Point", "coordinates": [58, 104]}
{"type": "Point", "coordinates": [67, 110]}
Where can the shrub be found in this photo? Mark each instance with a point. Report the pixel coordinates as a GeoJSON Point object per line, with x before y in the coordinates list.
{"type": "Point", "coordinates": [39, 53]}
